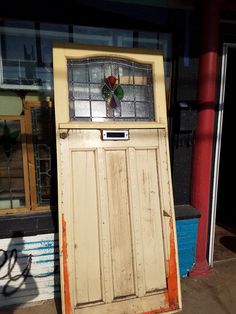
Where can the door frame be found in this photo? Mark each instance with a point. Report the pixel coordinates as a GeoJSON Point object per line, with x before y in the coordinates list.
{"type": "Point", "coordinates": [217, 152]}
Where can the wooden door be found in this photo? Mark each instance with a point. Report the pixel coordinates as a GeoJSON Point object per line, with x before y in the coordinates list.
{"type": "Point", "coordinates": [116, 214]}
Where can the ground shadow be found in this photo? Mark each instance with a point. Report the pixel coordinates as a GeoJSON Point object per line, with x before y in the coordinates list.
{"type": "Point", "coordinates": [229, 242]}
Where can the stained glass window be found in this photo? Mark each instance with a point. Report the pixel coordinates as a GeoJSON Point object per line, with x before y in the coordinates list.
{"type": "Point", "coordinates": [44, 147]}
{"type": "Point", "coordinates": [27, 159]}
{"type": "Point", "coordinates": [12, 193]}
{"type": "Point", "coordinates": [110, 89]}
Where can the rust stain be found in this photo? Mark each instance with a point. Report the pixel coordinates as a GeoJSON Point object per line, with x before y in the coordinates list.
{"type": "Point", "coordinates": [166, 296]}
{"type": "Point", "coordinates": [65, 269]}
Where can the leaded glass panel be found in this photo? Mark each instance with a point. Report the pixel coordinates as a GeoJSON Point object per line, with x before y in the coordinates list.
{"type": "Point", "coordinates": [103, 89]}
{"type": "Point", "coordinates": [44, 147]}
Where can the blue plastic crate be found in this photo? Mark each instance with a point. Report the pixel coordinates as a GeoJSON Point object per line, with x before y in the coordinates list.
{"type": "Point", "coordinates": [186, 238]}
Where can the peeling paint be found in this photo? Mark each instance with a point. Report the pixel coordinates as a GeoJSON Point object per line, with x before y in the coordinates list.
{"type": "Point", "coordinates": [172, 272]}
{"type": "Point", "coordinates": [171, 295]}
{"type": "Point", "coordinates": [67, 302]}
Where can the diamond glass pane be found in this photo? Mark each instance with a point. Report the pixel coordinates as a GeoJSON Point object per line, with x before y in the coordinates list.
{"type": "Point", "coordinates": [103, 89]}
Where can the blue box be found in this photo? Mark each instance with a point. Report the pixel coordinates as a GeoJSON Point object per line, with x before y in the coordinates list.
{"type": "Point", "coordinates": [187, 219]}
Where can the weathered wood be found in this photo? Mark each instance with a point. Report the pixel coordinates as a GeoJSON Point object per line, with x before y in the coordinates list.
{"type": "Point", "coordinates": [116, 201]}
{"type": "Point", "coordinates": [86, 228]}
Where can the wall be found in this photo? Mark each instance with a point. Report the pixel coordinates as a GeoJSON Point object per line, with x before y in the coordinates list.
{"type": "Point", "coordinates": [29, 269]}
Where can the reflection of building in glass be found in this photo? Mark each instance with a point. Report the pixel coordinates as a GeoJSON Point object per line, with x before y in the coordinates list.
{"type": "Point", "coordinates": [12, 194]}
{"type": "Point", "coordinates": [26, 50]}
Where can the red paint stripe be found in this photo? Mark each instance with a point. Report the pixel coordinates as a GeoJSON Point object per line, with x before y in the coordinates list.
{"type": "Point", "coordinates": [67, 302]}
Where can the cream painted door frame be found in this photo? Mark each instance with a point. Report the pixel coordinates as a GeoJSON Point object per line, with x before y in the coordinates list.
{"type": "Point", "coordinates": [118, 251]}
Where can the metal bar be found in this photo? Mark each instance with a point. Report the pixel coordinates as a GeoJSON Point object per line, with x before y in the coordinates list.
{"type": "Point", "coordinates": [217, 154]}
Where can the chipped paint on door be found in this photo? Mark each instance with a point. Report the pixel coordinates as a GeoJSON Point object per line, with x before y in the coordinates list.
{"type": "Point", "coordinates": [117, 235]}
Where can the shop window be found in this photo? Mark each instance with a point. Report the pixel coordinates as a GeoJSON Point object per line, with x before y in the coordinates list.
{"type": "Point", "coordinates": [27, 175]}
{"type": "Point", "coordinates": [27, 160]}
{"type": "Point", "coordinates": [14, 189]}
{"type": "Point", "coordinates": [26, 49]}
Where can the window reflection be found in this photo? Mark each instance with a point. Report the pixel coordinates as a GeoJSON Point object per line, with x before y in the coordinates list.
{"type": "Point", "coordinates": [12, 194]}
{"type": "Point", "coordinates": [26, 50]}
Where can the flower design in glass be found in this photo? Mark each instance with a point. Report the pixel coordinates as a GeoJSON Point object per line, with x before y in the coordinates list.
{"type": "Point", "coordinates": [112, 92]}
{"type": "Point", "coordinates": [110, 89]}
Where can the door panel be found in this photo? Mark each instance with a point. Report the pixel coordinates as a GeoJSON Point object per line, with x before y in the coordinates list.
{"type": "Point", "coordinates": [117, 232]}
{"type": "Point", "coordinates": [119, 221]}
{"type": "Point", "coordinates": [86, 233]}
{"type": "Point", "coordinates": [129, 202]}
{"type": "Point", "coordinates": [150, 216]}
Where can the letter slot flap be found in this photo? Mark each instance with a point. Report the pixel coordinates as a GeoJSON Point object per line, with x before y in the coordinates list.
{"type": "Point", "coordinates": [118, 135]}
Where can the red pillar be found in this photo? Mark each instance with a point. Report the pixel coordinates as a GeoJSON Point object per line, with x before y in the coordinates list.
{"type": "Point", "coordinates": [202, 153]}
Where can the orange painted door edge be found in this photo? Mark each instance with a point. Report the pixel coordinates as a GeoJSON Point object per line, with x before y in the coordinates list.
{"type": "Point", "coordinates": [67, 302]}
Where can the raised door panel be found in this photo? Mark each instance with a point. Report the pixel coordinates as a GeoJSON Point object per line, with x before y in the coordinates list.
{"type": "Point", "coordinates": [120, 226]}
{"type": "Point", "coordinates": [88, 277]}
{"type": "Point", "coordinates": [151, 219]}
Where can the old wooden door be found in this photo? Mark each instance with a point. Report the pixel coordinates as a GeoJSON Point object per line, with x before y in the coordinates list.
{"type": "Point", "coordinates": [117, 234]}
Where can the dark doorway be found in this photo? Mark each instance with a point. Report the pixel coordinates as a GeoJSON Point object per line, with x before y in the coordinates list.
{"type": "Point", "coordinates": [225, 239]}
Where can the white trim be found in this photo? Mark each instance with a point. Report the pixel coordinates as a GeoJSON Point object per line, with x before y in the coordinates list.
{"type": "Point", "coordinates": [217, 152]}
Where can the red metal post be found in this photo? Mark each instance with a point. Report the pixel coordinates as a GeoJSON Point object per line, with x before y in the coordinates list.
{"type": "Point", "coordinates": [202, 152]}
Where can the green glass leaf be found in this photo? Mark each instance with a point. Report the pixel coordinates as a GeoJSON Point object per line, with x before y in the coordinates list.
{"type": "Point", "coordinates": [119, 92]}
